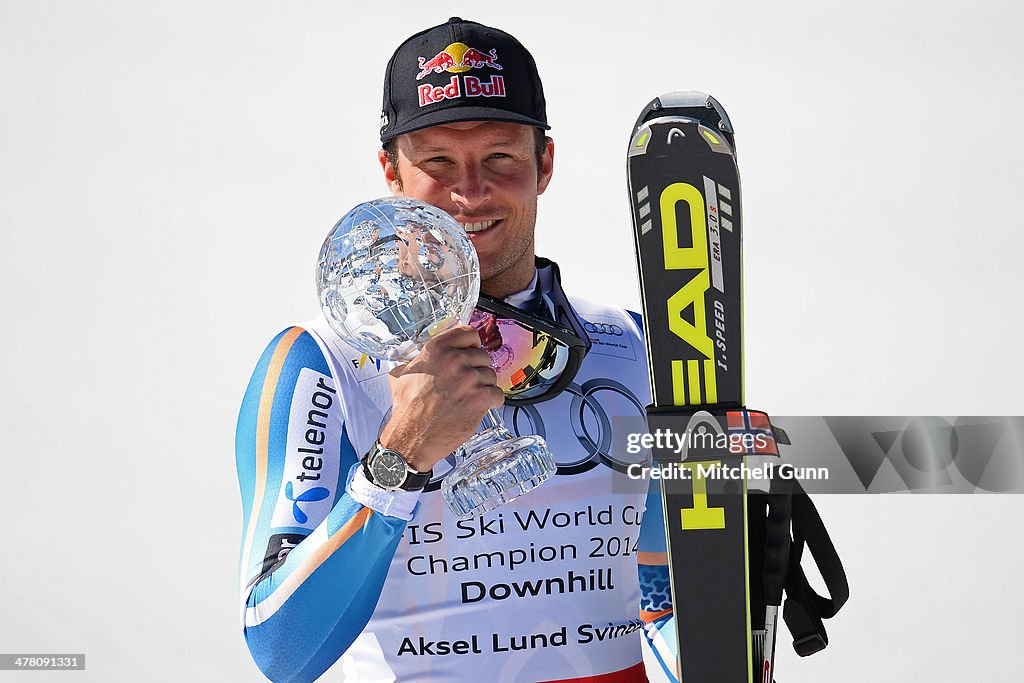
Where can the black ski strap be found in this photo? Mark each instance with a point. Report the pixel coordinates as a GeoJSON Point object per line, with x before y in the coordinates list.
{"type": "Point", "coordinates": [804, 608]}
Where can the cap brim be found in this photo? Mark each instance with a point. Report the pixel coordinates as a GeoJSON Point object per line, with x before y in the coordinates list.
{"type": "Point", "coordinates": [458, 115]}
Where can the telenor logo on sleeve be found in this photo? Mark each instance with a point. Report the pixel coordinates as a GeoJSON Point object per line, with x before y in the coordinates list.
{"type": "Point", "coordinates": [310, 471]}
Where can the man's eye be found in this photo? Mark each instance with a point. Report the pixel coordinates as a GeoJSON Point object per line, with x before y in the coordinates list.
{"type": "Point", "coordinates": [437, 160]}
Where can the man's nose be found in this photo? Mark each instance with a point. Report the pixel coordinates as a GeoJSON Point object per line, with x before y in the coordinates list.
{"type": "Point", "coordinates": [471, 188]}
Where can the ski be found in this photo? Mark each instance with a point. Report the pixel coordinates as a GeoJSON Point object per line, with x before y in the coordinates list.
{"type": "Point", "coordinates": [728, 551]}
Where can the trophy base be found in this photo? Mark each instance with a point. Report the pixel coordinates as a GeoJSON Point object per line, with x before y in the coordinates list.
{"type": "Point", "coordinates": [497, 468]}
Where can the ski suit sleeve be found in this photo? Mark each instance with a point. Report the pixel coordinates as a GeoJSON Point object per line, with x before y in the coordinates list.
{"type": "Point", "coordinates": [313, 559]}
{"type": "Point", "coordinates": [655, 595]}
{"type": "Point", "coordinates": [652, 560]}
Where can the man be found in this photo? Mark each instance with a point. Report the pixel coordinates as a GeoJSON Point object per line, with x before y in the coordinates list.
{"type": "Point", "coordinates": [333, 564]}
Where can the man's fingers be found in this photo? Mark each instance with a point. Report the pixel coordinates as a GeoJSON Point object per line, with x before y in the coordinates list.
{"type": "Point", "coordinates": [477, 358]}
{"type": "Point", "coordinates": [461, 337]}
{"type": "Point", "coordinates": [487, 376]}
{"type": "Point", "coordinates": [497, 397]}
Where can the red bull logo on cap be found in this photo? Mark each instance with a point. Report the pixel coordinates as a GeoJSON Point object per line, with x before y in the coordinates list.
{"type": "Point", "coordinates": [458, 58]}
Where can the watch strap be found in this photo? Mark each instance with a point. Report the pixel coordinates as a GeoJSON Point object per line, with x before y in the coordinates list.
{"type": "Point", "coordinates": [414, 481]}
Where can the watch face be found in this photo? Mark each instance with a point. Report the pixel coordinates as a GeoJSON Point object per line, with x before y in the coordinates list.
{"type": "Point", "coordinates": [388, 469]}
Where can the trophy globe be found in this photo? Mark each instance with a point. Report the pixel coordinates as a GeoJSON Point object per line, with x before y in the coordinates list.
{"type": "Point", "coordinates": [391, 274]}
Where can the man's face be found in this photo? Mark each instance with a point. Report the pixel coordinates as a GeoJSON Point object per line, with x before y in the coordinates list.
{"type": "Point", "coordinates": [485, 175]}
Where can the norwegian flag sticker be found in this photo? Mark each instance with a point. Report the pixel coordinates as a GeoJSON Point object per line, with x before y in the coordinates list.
{"type": "Point", "coordinates": [750, 432]}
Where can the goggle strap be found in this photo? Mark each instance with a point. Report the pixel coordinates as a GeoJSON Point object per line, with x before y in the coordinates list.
{"type": "Point", "coordinates": [549, 284]}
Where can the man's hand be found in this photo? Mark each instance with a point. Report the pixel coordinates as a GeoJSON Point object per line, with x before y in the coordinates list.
{"type": "Point", "coordinates": [440, 397]}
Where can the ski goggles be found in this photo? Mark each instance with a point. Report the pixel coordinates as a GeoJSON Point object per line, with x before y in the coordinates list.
{"type": "Point", "coordinates": [534, 358]}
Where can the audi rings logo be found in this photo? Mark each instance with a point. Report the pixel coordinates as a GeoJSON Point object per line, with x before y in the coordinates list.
{"type": "Point", "coordinates": [603, 328]}
{"type": "Point", "coordinates": [590, 421]}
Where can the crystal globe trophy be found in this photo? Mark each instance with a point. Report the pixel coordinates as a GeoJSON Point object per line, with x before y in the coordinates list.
{"type": "Point", "coordinates": [391, 274]}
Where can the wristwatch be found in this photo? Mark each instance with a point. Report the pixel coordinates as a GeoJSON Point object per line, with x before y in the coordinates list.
{"type": "Point", "coordinates": [390, 471]}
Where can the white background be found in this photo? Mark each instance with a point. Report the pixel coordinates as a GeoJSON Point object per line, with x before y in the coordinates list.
{"type": "Point", "coordinates": [169, 169]}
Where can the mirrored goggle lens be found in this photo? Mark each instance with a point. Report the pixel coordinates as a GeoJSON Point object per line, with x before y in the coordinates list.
{"type": "Point", "coordinates": [528, 362]}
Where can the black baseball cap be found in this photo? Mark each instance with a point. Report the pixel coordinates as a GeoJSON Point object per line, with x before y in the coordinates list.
{"type": "Point", "coordinates": [460, 71]}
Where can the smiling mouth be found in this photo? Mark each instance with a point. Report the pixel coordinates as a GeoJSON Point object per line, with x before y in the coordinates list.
{"type": "Point", "coordinates": [478, 227]}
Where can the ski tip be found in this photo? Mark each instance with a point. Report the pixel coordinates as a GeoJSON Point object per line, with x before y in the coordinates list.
{"type": "Point", "coordinates": [684, 99]}
{"type": "Point", "coordinates": [689, 103]}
